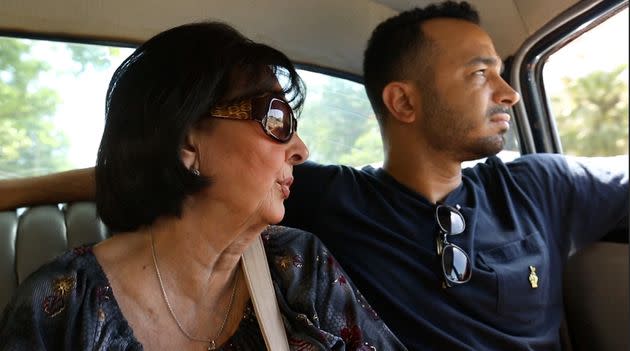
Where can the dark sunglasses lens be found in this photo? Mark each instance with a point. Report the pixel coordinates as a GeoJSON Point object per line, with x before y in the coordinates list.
{"type": "Point", "coordinates": [450, 220]}
{"type": "Point", "coordinates": [279, 121]}
{"type": "Point", "coordinates": [456, 264]}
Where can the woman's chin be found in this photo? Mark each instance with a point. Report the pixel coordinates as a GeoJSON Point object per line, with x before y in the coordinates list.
{"type": "Point", "coordinates": [276, 215]}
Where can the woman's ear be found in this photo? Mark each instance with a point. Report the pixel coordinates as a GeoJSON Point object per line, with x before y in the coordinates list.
{"type": "Point", "coordinates": [401, 100]}
{"type": "Point", "coordinates": [188, 153]}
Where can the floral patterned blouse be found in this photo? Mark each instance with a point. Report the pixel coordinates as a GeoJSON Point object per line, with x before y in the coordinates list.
{"type": "Point", "coordinates": [68, 305]}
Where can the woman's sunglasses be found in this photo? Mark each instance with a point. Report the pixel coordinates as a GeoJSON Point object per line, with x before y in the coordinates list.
{"type": "Point", "coordinates": [273, 113]}
{"type": "Point", "coordinates": [456, 265]}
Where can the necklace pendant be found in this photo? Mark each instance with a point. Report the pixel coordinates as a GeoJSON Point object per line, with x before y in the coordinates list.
{"type": "Point", "coordinates": [212, 345]}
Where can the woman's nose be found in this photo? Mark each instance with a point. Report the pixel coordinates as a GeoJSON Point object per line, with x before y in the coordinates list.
{"type": "Point", "coordinates": [298, 152]}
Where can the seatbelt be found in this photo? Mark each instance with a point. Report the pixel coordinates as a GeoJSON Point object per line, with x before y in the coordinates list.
{"type": "Point", "coordinates": [262, 293]}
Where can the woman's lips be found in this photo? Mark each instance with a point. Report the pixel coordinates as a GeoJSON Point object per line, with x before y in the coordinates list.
{"type": "Point", "coordinates": [285, 187]}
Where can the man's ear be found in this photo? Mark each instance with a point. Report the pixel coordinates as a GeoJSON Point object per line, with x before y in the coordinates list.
{"type": "Point", "coordinates": [188, 152]}
{"type": "Point", "coordinates": [401, 100]}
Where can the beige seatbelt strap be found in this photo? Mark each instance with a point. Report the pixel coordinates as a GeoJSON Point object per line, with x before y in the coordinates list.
{"type": "Point", "coordinates": [263, 296]}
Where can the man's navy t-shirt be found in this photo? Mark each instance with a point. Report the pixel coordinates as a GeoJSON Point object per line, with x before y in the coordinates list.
{"type": "Point", "coordinates": [530, 212]}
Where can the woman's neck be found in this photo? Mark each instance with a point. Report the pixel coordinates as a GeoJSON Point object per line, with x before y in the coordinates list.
{"type": "Point", "coordinates": [198, 258]}
{"type": "Point", "coordinates": [202, 250]}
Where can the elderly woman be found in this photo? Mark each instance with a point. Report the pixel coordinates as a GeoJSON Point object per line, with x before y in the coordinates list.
{"type": "Point", "coordinates": [195, 162]}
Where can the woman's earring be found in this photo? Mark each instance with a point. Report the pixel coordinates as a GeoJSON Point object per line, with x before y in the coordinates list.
{"type": "Point", "coordinates": [195, 171]}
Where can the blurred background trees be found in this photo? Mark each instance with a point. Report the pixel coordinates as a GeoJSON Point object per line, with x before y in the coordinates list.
{"type": "Point", "coordinates": [592, 113]}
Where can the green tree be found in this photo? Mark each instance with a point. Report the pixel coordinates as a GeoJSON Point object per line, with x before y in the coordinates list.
{"type": "Point", "coordinates": [592, 114]}
{"type": "Point", "coordinates": [338, 124]}
{"type": "Point", "coordinates": [29, 141]}
{"type": "Point", "coordinates": [367, 148]}
{"type": "Point", "coordinates": [95, 56]}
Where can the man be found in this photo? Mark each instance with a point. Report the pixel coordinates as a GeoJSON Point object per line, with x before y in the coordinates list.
{"type": "Point", "coordinates": [433, 78]}
{"type": "Point", "coordinates": [451, 259]}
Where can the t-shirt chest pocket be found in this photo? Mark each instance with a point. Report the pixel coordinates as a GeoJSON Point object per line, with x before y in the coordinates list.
{"type": "Point", "coordinates": [522, 275]}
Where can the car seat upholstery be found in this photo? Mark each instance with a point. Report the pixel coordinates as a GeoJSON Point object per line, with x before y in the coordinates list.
{"type": "Point", "coordinates": [596, 278]}
{"type": "Point", "coordinates": [596, 298]}
{"type": "Point", "coordinates": [32, 237]}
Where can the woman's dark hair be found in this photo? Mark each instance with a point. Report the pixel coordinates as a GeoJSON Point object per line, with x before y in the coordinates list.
{"type": "Point", "coordinates": [396, 43]}
{"type": "Point", "coordinates": [155, 97]}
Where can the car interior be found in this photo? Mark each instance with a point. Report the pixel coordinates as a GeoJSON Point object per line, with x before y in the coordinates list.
{"type": "Point", "coordinates": [328, 38]}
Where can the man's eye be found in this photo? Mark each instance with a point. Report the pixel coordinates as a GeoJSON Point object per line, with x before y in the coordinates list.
{"type": "Point", "coordinates": [481, 72]}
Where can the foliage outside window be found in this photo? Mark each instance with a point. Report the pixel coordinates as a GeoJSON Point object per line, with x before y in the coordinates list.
{"type": "Point", "coordinates": [587, 84]}
{"type": "Point", "coordinates": [52, 104]}
{"type": "Point", "coordinates": [337, 123]}
{"type": "Point", "coordinates": [53, 98]}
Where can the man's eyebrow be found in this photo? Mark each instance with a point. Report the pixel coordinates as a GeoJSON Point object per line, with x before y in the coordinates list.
{"type": "Point", "coordinates": [486, 60]}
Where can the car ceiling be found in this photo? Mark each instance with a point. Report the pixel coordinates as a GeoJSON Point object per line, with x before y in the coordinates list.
{"type": "Point", "coordinates": [326, 33]}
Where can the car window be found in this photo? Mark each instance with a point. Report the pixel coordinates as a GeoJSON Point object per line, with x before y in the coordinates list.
{"type": "Point", "coordinates": [53, 102]}
{"type": "Point", "coordinates": [337, 123]}
{"type": "Point", "coordinates": [587, 86]}
{"type": "Point", "coordinates": [53, 98]}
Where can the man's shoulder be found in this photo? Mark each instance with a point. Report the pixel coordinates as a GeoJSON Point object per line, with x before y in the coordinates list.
{"type": "Point", "coordinates": [538, 159]}
{"type": "Point", "coordinates": [548, 172]}
{"type": "Point", "coordinates": [560, 166]}
{"type": "Point", "coordinates": [525, 164]}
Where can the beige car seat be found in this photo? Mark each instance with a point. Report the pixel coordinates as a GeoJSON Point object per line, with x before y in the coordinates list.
{"type": "Point", "coordinates": [34, 236]}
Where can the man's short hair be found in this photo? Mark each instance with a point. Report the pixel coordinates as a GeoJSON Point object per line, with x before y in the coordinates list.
{"type": "Point", "coordinates": [396, 44]}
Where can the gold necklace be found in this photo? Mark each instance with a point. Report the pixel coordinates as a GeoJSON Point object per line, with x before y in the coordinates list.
{"type": "Point", "coordinates": [211, 342]}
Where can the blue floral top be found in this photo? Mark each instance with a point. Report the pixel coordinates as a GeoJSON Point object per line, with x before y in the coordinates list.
{"type": "Point", "coordinates": [68, 305]}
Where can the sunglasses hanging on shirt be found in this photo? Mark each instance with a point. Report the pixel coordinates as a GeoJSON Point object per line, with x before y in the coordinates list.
{"type": "Point", "coordinates": [456, 265]}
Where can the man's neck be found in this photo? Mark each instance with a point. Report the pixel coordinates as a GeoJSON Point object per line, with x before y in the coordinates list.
{"type": "Point", "coordinates": [432, 175]}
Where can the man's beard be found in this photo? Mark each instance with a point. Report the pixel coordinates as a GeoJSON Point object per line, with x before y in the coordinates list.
{"type": "Point", "coordinates": [486, 147]}
{"type": "Point", "coordinates": [445, 130]}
